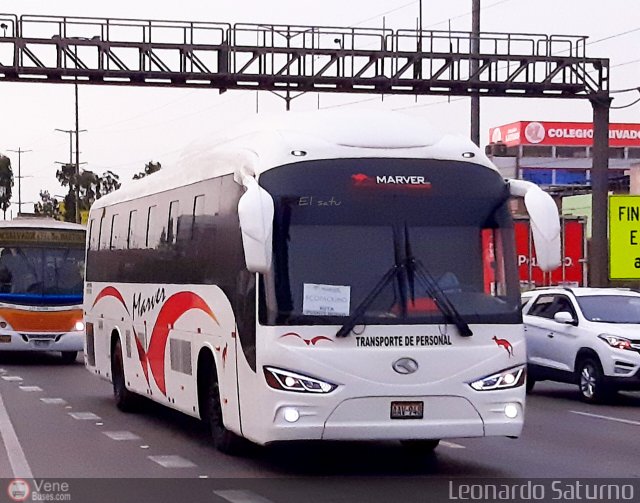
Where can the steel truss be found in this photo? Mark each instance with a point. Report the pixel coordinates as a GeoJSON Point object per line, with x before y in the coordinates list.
{"type": "Point", "coordinates": [300, 59]}
{"type": "Point", "coordinates": [296, 58]}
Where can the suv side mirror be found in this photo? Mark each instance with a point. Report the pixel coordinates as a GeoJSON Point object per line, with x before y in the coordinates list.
{"type": "Point", "coordinates": [545, 222]}
{"type": "Point", "coordinates": [565, 318]}
{"type": "Point", "coordinates": [255, 211]}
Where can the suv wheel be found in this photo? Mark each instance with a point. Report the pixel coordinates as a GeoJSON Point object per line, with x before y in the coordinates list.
{"type": "Point", "coordinates": [591, 383]}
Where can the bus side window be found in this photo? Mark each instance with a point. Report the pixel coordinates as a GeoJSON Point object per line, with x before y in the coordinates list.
{"type": "Point", "coordinates": [198, 213]}
{"type": "Point", "coordinates": [148, 239]}
{"type": "Point", "coordinates": [172, 223]}
{"type": "Point", "coordinates": [114, 238]}
{"type": "Point", "coordinates": [100, 232]}
{"type": "Point", "coordinates": [132, 241]}
{"type": "Point", "coordinates": [93, 242]}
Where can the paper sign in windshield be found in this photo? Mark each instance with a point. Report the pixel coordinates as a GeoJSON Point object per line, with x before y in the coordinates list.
{"type": "Point", "coordinates": [326, 300]}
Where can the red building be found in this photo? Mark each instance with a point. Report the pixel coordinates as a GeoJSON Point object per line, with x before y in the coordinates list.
{"type": "Point", "coordinates": [559, 154]}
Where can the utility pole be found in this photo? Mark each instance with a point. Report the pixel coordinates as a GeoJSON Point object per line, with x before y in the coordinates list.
{"type": "Point", "coordinates": [77, 163]}
{"type": "Point", "coordinates": [475, 65]}
{"type": "Point", "coordinates": [19, 152]}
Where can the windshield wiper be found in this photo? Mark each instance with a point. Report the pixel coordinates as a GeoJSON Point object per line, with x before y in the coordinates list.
{"type": "Point", "coordinates": [396, 269]}
{"type": "Point", "coordinates": [415, 269]}
{"type": "Point", "coordinates": [352, 321]}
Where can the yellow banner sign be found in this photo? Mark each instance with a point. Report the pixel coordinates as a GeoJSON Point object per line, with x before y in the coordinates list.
{"type": "Point", "coordinates": [10, 237]}
{"type": "Point", "coordinates": [624, 237]}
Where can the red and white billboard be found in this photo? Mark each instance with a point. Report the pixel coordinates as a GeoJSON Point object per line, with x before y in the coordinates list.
{"type": "Point", "coordinates": [574, 134]}
{"type": "Point", "coordinates": [572, 270]}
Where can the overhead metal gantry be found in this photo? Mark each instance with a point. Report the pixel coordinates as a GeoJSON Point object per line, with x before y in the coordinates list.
{"type": "Point", "coordinates": [301, 59]}
{"type": "Point", "coordinates": [297, 58]}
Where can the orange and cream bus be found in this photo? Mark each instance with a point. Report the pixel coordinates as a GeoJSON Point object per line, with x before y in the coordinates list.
{"type": "Point", "coordinates": [41, 281]}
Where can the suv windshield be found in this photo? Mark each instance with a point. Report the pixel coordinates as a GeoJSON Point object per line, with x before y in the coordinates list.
{"type": "Point", "coordinates": [610, 308]}
{"type": "Point", "coordinates": [334, 229]}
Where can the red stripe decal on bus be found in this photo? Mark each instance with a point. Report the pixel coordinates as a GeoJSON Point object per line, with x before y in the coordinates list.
{"type": "Point", "coordinates": [171, 311]}
{"type": "Point", "coordinates": [110, 291]}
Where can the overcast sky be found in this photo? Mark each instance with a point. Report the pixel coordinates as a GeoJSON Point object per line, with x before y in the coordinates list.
{"type": "Point", "coordinates": [128, 126]}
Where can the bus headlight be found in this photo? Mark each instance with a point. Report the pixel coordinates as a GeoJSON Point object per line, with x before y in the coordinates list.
{"type": "Point", "coordinates": [79, 326]}
{"type": "Point", "coordinates": [510, 378]}
{"type": "Point", "coordinates": [291, 381]}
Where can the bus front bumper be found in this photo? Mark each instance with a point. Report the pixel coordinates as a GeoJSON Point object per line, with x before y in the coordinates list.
{"type": "Point", "coordinates": [369, 418]}
{"type": "Point", "coordinates": [66, 341]}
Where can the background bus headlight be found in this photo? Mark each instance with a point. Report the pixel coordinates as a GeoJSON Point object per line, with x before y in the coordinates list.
{"type": "Point", "coordinates": [510, 378]}
{"type": "Point", "coordinates": [79, 326]}
{"type": "Point", "coordinates": [291, 381]}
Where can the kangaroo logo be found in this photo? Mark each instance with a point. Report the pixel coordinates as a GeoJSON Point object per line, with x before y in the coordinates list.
{"type": "Point", "coordinates": [505, 344]}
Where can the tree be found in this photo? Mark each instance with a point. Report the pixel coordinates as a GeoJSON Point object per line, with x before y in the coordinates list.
{"type": "Point", "coordinates": [109, 182]}
{"type": "Point", "coordinates": [66, 175]}
{"type": "Point", "coordinates": [149, 168]}
{"type": "Point", "coordinates": [47, 206]}
{"type": "Point", "coordinates": [90, 187]}
{"type": "Point", "coordinates": [6, 183]}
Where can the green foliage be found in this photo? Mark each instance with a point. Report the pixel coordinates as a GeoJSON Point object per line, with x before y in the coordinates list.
{"type": "Point", "coordinates": [90, 187]}
{"type": "Point", "coordinates": [6, 183]}
{"type": "Point", "coordinates": [149, 168]}
{"type": "Point", "coordinates": [47, 206]}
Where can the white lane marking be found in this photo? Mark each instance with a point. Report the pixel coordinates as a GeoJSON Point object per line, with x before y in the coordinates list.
{"type": "Point", "coordinates": [84, 416]}
{"type": "Point", "coordinates": [30, 388]}
{"type": "Point", "coordinates": [121, 435]}
{"type": "Point", "coordinates": [610, 418]}
{"type": "Point", "coordinates": [172, 461]}
{"type": "Point", "coordinates": [12, 378]}
{"type": "Point", "coordinates": [54, 401]}
{"type": "Point", "coordinates": [451, 445]}
{"type": "Point", "coordinates": [237, 496]}
{"type": "Point", "coordinates": [16, 456]}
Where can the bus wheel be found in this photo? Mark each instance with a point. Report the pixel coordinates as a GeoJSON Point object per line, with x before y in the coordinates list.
{"type": "Point", "coordinates": [125, 400]}
{"type": "Point", "coordinates": [224, 440]}
{"type": "Point", "coordinates": [426, 446]}
{"type": "Point", "coordinates": [69, 356]}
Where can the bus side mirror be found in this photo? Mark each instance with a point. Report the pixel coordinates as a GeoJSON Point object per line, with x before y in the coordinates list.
{"type": "Point", "coordinates": [545, 222]}
{"type": "Point", "coordinates": [255, 211]}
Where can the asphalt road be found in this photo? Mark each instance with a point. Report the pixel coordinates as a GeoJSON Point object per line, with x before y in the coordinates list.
{"type": "Point", "coordinates": [67, 428]}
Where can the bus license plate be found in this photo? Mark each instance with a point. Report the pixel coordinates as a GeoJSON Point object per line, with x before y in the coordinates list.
{"type": "Point", "coordinates": [5, 338]}
{"type": "Point", "coordinates": [407, 410]}
{"type": "Point", "coordinates": [41, 344]}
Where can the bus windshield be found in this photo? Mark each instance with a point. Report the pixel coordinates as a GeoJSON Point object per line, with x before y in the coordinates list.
{"type": "Point", "coordinates": [340, 225]}
{"type": "Point", "coordinates": [37, 274]}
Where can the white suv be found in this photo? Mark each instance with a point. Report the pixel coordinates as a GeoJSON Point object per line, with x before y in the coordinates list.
{"type": "Point", "coordinates": [586, 336]}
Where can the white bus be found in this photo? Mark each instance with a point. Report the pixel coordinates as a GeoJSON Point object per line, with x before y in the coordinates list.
{"type": "Point", "coordinates": [41, 283]}
{"type": "Point", "coordinates": [320, 276]}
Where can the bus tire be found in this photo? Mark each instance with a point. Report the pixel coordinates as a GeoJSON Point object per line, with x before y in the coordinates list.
{"type": "Point", "coordinates": [125, 399]}
{"type": "Point", "coordinates": [224, 440]}
{"type": "Point", "coordinates": [69, 357]}
{"type": "Point", "coordinates": [426, 446]}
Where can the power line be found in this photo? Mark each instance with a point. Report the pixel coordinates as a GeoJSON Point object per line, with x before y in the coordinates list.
{"type": "Point", "coordinates": [615, 35]}
{"type": "Point", "coordinates": [626, 106]}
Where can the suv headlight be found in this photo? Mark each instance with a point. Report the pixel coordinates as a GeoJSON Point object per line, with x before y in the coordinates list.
{"type": "Point", "coordinates": [291, 381]}
{"type": "Point", "coordinates": [509, 378]}
{"type": "Point", "coordinates": [616, 342]}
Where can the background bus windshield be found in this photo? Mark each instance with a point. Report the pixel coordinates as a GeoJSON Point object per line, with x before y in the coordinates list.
{"type": "Point", "coordinates": [32, 274]}
{"type": "Point", "coordinates": [341, 225]}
